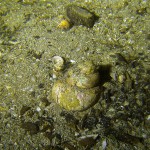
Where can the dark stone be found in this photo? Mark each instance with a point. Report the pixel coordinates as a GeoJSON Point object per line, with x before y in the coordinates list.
{"type": "Point", "coordinates": [80, 16]}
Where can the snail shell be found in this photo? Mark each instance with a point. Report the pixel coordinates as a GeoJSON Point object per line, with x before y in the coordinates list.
{"type": "Point", "coordinates": [58, 63]}
{"type": "Point", "coordinates": [78, 89]}
{"type": "Point", "coordinates": [73, 98]}
{"type": "Point", "coordinates": [84, 76]}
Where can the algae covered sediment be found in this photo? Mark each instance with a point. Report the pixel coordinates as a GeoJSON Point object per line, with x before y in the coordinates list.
{"type": "Point", "coordinates": [119, 43]}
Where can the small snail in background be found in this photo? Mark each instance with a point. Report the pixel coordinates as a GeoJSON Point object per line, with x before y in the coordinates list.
{"type": "Point", "coordinates": [58, 63]}
{"type": "Point", "coordinates": [78, 88]}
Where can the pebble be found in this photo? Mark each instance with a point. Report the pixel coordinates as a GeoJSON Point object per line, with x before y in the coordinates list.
{"type": "Point", "coordinates": [80, 16]}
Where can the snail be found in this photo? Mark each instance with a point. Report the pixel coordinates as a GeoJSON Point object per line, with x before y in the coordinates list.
{"type": "Point", "coordinates": [58, 63]}
{"type": "Point", "coordinates": [78, 89]}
